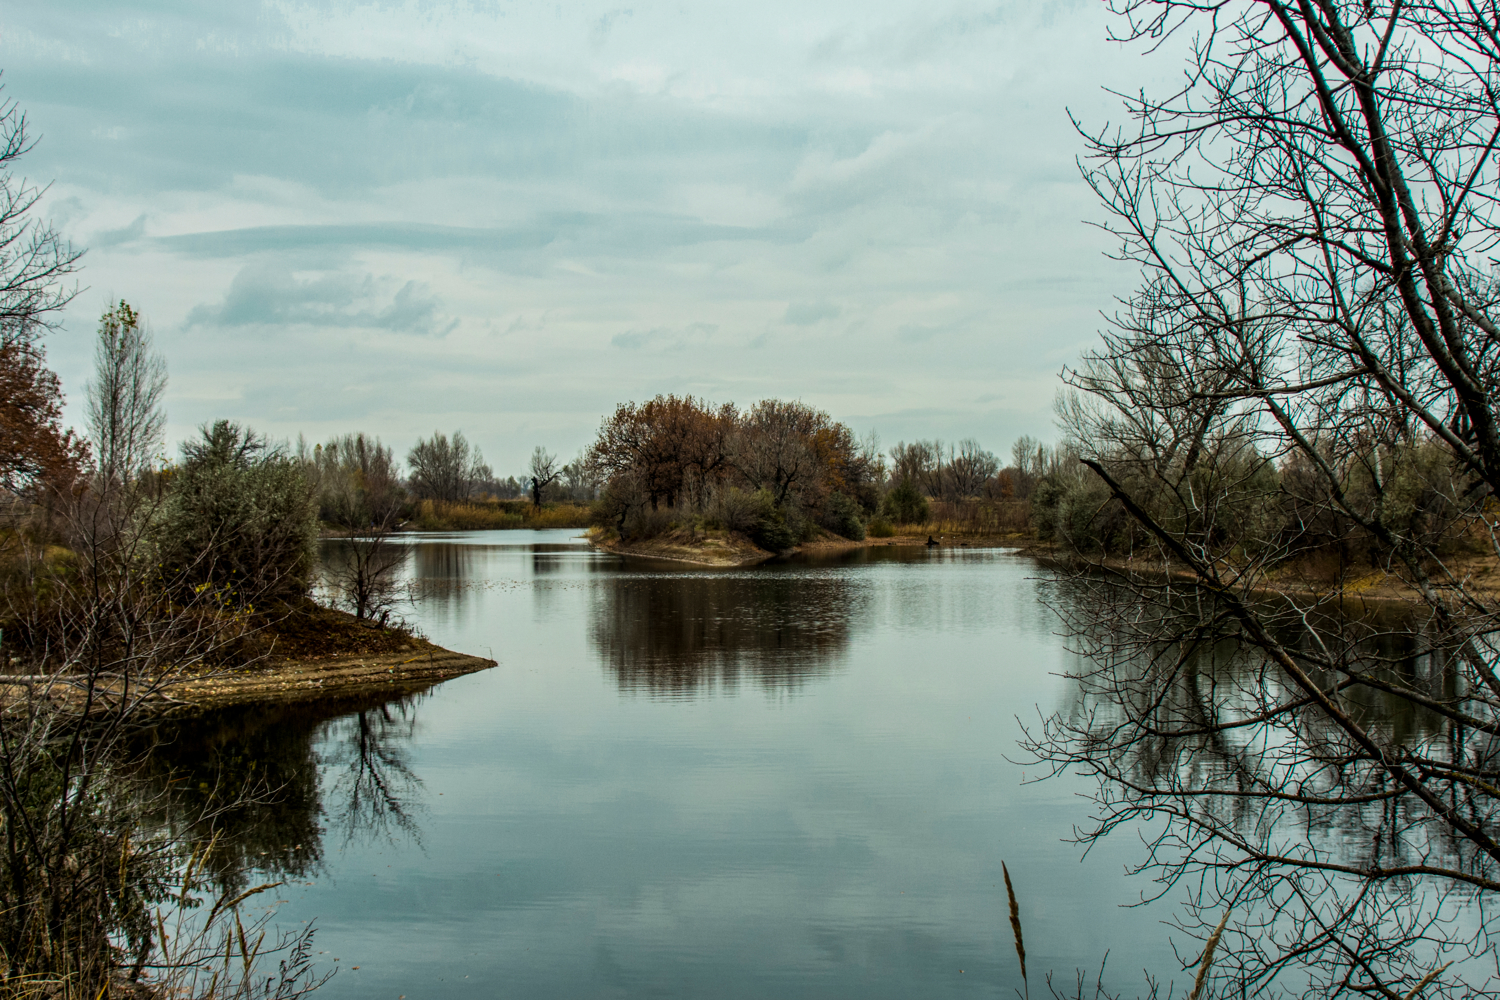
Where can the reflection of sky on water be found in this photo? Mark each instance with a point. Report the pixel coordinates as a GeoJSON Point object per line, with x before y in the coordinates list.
{"type": "Point", "coordinates": [784, 781]}
{"type": "Point", "coordinates": [788, 781]}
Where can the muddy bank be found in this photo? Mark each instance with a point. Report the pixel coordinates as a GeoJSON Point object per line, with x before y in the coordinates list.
{"type": "Point", "coordinates": [719, 549]}
{"type": "Point", "coordinates": [329, 677]}
{"type": "Point", "coordinates": [344, 676]}
{"type": "Point", "coordinates": [730, 549]}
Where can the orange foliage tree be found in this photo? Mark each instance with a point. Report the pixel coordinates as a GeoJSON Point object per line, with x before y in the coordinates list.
{"type": "Point", "coordinates": [35, 452]}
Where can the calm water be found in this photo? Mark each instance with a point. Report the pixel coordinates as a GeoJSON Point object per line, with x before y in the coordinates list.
{"type": "Point", "coordinates": [789, 781]}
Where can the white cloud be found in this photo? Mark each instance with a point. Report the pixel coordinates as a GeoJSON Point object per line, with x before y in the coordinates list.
{"type": "Point", "coordinates": [514, 215]}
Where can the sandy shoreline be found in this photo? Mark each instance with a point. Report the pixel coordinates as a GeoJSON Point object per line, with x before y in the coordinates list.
{"type": "Point", "coordinates": [736, 551]}
{"type": "Point", "coordinates": [419, 666]}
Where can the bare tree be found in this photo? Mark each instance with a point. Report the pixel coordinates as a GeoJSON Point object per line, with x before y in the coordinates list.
{"type": "Point", "coordinates": [34, 259]}
{"type": "Point", "coordinates": [359, 490]}
{"type": "Point", "coordinates": [969, 468]}
{"type": "Point", "coordinates": [125, 415]}
{"type": "Point", "coordinates": [544, 472]}
{"type": "Point", "coordinates": [1301, 397]}
{"type": "Point", "coordinates": [772, 449]}
{"type": "Point", "coordinates": [444, 469]}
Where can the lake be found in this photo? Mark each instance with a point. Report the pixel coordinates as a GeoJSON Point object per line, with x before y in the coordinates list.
{"type": "Point", "coordinates": [785, 781]}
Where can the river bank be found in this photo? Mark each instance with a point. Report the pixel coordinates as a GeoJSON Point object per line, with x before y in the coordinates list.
{"type": "Point", "coordinates": [312, 653]}
{"type": "Point", "coordinates": [727, 549]}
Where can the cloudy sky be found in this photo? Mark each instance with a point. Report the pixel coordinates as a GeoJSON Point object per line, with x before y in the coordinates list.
{"type": "Point", "coordinates": [506, 217]}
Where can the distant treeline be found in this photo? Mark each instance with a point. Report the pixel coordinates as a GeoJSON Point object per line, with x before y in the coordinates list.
{"type": "Point", "coordinates": [781, 471]}
{"type": "Point", "coordinates": [359, 484]}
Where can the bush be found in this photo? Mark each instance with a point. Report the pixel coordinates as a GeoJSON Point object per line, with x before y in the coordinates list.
{"type": "Point", "coordinates": [238, 518]}
{"type": "Point", "coordinates": [905, 504]}
{"type": "Point", "coordinates": [1067, 508]}
{"type": "Point", "coordinates": [756, 516]}
{"type": "Point", "coordinates": [879, 527]}
{"type": "Point", "coordinates": [841, 515]}
{"type": "Point", "coordinates": [775, 532]}
{"type": "Point", "coordinates": [648, 522]}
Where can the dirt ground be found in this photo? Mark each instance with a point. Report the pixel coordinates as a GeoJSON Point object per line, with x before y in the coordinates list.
{"type": "Point", "coordinates": [726, 549]}
{"type": "Point", "coordinates": [310, 652]}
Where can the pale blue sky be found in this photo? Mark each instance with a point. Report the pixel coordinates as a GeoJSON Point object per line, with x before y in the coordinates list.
{"type": "Point", "coordinates": [507, 217]}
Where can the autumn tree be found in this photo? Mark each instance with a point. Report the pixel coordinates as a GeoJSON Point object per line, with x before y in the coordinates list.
{"type": "Point", "coordinates": [35, 451]}
{"type": "Point", "coordinates": [34, 261]}
{"type": "Point", "coordinates": [670, 446]}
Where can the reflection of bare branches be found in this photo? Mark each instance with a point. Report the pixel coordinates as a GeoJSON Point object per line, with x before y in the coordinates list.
{"type": "Point", "coordinates": [1336, 871]}
{"type": "Point", "coordinates": [368, 751]}
{"type": "Point", "coordinates": [249, 781]}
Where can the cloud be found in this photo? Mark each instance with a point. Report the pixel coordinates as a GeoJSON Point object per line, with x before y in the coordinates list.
{"type": "Point", "coordinates": [808, 313]}
{"type": "Point", "coordinates": [664, 338]}
{"type": "Point", "coordinates": [589, 204]}
{"type": "Point", "coordinates": [271, 294]}
{"type": "Point", "coordinates": [115, 237]}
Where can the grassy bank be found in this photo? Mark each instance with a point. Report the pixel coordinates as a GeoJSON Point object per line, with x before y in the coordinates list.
{"type": "Point", "coordinates": [966, 518]}
{"type": "Point", "coordinates": [484, 515]}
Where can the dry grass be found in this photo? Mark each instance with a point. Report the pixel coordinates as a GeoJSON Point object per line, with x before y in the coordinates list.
{"type": "Point", "coordinates": [489, 514]}
{"type": "Point", "coordinates": [973, 518]}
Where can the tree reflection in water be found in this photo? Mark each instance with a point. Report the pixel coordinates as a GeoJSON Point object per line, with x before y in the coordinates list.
{"type": "Point", "coordinates": [677, 634]}
{"type": "Point", "coordinates": [1335, 873]}
{"type": "Point", "coordinates": [374, 790]}
{"type": "Point", "coordinates": [247, 780]}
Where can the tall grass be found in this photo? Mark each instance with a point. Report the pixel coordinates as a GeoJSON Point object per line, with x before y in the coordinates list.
{"type": "Point", "coordinates": [484, 515]}
{"type": "Point", "coordinates": [973, 518]}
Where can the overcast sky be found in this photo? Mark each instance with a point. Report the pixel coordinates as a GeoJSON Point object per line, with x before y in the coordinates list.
{"type": "Point", "coordinates": [508, 217]}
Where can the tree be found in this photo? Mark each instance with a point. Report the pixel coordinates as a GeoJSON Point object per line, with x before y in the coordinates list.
{"type": "Point", "coordinates": [239, 520]}
{"type": "Point", "coordinates": [1301, 393]}
{"type": "Point", "coordinates": [446, 470]}
{"type": "Point", "coordinates": [124, 399]}
{"type": "Point", "coordinates": [970, 467]}
{"type": "Point", "coordinates": [672, 447]}
{"type": "Point", "coordinates": [34, 259]}
{"type": "Point", "coordinates": [357, 480]}
{"type": "Point", "coordinates": [35, 452]}
{"type": "Point", "coordinates": [774, 448]}
{"type": "Point", "coordinates": [359, 489]}
{"type": "Point", "coordinates": [544, 472]}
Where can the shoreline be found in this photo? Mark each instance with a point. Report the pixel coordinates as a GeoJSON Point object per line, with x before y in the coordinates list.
{"type": "Point", "coordinates": [735, 551]}
{"type": "Point", "coordinates": [339, 675]}
{"type": "Point", "coordinates": [1374, 589]}
{"type": "Point", "coordinates": [279, 682]}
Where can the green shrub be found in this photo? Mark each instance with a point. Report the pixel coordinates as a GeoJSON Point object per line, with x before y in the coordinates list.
{"type": "Point", "coordinates": [905, 504]}
{"type": "Point", "coordinates": [879, 527]}
{"type": "Point", "coordinates": [237, 517]}
{"type": "Point", "coordinates": [1068, 508]}
{"type": "Point", "coordinates": [841, 515]}
{"type": "Point", "coordinates": [776, 532]}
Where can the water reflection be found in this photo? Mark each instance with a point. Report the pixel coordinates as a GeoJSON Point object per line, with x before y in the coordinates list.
{"type": "Point", "coordinates": [677, 635]}
{"type": "Point", "coordinates": [266, 785]}
{"type": "Point", "coordinates": [1292, 815]}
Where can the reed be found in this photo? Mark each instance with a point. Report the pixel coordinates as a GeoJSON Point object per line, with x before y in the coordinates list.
{"type": "Point", "coordinates": [1208, 957]}
{"type": "Point", "coordinates": [485, 515]}
{"type": "Point", "coordinates": [973, 518]}
{"type": "Point", "coordinates": [1015, 927]}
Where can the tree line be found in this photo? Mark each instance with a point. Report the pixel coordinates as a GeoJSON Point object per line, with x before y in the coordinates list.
{"type": "Point", "coordinates": [779, 471]}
